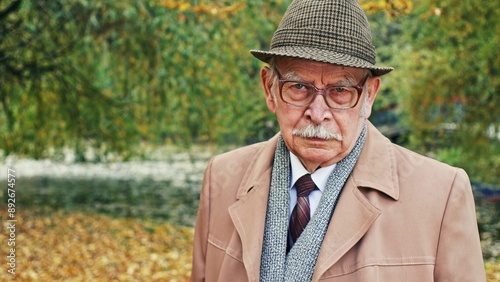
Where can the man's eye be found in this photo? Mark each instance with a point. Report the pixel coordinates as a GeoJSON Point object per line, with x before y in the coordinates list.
{"type": "Point", "coordinates": [299, 86]}
{"type": "Point", "coordinates": [339, 89]}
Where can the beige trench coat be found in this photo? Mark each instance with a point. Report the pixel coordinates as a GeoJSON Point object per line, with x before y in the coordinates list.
{"type": "Point", "coordinates": [400, 217]}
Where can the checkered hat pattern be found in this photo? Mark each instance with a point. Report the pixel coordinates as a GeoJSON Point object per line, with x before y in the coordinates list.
{"type": "Point", "coordinates": [331, 31]}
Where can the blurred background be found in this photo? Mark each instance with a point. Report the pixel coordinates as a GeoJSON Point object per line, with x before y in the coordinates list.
{"type": "Point", "coordinates": [110, 110]}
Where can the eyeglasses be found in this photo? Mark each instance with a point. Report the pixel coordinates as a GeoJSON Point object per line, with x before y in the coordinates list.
{"type": "Point", "coordinates": [301, 94]}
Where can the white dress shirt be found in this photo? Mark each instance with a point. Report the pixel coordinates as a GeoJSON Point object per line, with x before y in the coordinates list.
{"type": "Point", "coordinates": [320, 177]}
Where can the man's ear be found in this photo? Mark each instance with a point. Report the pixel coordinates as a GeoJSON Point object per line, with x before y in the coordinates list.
{"type": "Point", "coordinates": [373, 85]}
{"type": "Point", "coordinates": [267, 83]}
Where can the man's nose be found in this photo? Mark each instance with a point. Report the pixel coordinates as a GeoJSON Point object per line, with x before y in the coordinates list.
{"type": "Point", "coordinates": [318, 111]}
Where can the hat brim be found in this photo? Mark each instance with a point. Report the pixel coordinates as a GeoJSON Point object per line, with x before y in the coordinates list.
{"type": "Point", "coordinates": [319, 55]}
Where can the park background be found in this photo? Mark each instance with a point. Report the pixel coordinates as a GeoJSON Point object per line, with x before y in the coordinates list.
{"type": "Point", "coordinates": [110, 110]}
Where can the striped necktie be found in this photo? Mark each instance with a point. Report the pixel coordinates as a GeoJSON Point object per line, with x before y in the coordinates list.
{"type": "Point", "coordinates": [301, 212]}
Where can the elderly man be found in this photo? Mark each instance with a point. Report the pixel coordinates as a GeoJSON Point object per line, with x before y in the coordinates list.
{"type": "Point", "coordinates": [329, 198]}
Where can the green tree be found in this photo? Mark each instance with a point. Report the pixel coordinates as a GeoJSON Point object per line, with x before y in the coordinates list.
{"type": "Point", "coordinates": [49, 98]}
{"type": "Point", "coordinates": [451, 87]}
{"type": "Point", "coordinates": [112, 74]}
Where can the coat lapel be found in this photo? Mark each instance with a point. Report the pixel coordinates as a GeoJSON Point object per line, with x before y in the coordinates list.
{"type": "Point", "coordinates": [249, 212]}
{"type": "Point", "coordinates": [352, 218]}
{"type": "Point", "coordinates": [354, 213]}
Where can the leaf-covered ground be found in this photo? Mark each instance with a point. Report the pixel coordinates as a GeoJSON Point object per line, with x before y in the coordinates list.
{"type": "Point", "coordinates": [78, 246]}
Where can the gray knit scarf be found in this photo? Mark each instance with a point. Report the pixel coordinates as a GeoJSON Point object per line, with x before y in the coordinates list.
{"type": "Point", "coordinates": [299, 264]}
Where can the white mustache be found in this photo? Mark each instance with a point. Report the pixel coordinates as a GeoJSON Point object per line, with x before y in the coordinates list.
{"type": "Point", "coordinates": [316, 131]}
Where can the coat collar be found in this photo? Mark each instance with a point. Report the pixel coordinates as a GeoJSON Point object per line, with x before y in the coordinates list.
{"type": "Point", "coordinates": [260, 167]}
{"type": "Point", "coordinates": [376, 167]}
{"type": "Point", "coordinates": [249, 212]}
{"type": "Point", "coordinates": [354, 214]}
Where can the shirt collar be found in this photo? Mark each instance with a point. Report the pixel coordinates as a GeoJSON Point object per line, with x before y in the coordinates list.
{"type": "Point", "coordinates": [320, 176]}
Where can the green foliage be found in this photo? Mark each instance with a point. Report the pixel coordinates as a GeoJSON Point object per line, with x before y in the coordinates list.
{"type": "Point", "coordinates": [451, 96]}
{"type": "Point", "coordinates": [112, 74]}
{"type": "Point", "coordinates": [50, 94]}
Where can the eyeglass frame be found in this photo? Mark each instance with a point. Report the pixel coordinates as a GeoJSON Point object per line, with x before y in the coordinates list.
{"type": "Point", "coordinates": [359, 88]}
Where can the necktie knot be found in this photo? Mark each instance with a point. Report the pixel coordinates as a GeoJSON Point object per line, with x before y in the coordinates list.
{"type": "Point", "coordinates": [304, 185]}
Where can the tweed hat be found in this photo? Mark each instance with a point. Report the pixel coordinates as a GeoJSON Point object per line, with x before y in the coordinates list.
{"type": "Point", "coordinates": [331, 31]}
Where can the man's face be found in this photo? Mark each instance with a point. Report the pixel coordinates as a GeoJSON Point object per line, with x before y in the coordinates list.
{"type": "Point", "coordinates": [348, 123]}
